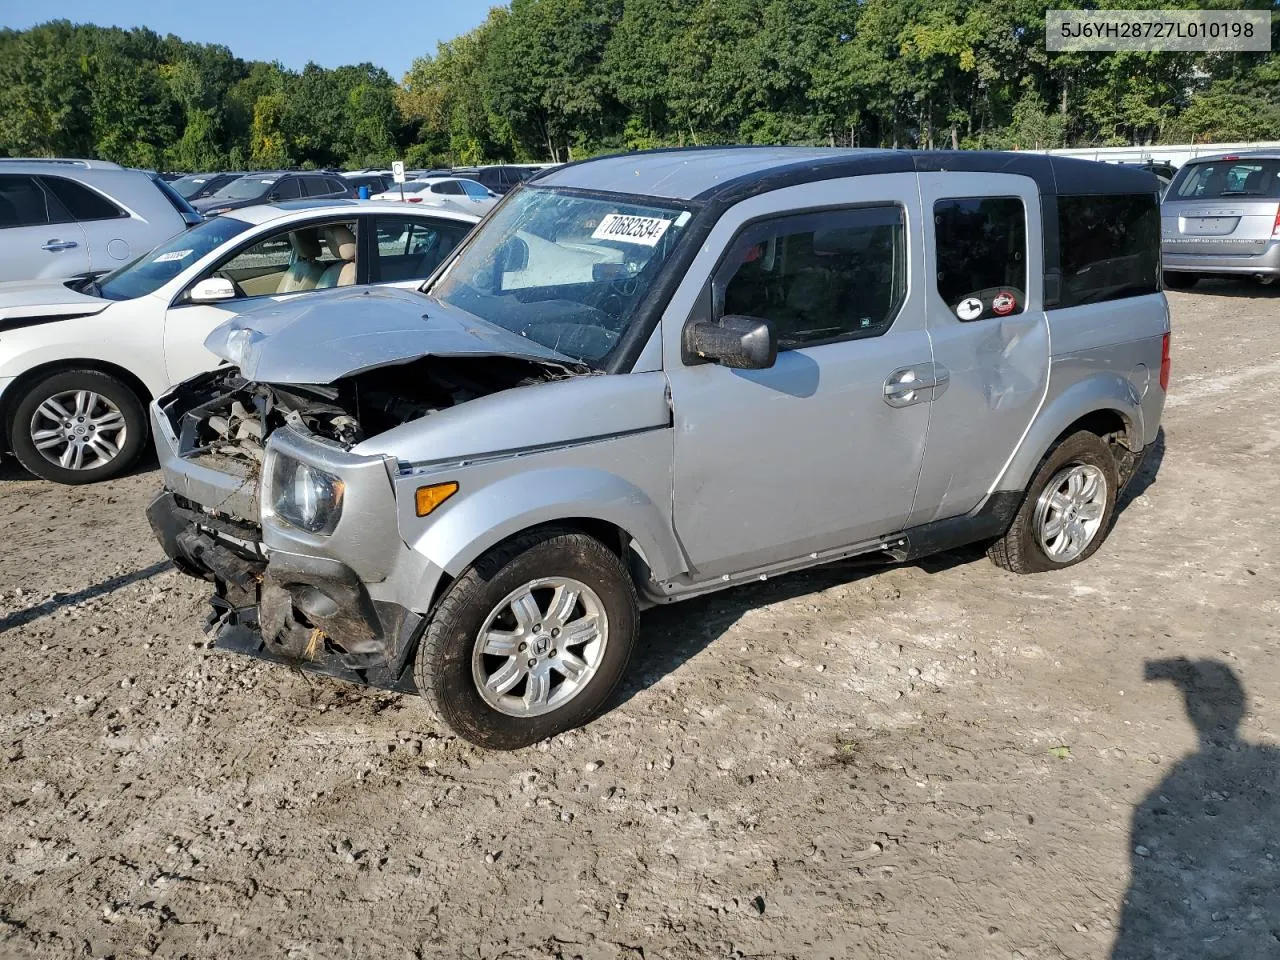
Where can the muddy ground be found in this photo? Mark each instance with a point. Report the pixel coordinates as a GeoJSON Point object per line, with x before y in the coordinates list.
{"type": "Point", "coordinates": [940, 760]}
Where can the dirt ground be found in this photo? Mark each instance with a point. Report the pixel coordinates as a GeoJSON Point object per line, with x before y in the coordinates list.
{"type": "Point", "coordinates": [939, 760]}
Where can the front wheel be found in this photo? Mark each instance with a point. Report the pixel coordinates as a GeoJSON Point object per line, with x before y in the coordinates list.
{"type": "Point", "coordinates": [1068, 509]}
{"type": "Point", "coordinates": [530, 641]}
{"type": "Point", "coordinates": [78, 426]}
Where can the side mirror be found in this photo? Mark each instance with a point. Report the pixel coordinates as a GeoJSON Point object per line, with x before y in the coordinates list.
{"type": "Point", "coordinates": [743, 343]}
{"type": "Point", "coordinates": [211, 290]}
{"type": "Point", "coordinates": [273, 197]}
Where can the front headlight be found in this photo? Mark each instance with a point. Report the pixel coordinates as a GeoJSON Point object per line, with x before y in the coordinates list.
{"type": "Point", "coordinates": [304, 496]}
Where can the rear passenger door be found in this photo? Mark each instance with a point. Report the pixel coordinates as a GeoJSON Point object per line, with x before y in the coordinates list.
{"type": "Point", "coordinates": [38, 237]}
{"type": "Point", "coordinates": [114, 237]}
{"type": "Point", "coordinates": [984, 281]}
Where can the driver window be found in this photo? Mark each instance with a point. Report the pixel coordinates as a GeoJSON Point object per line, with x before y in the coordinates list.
{"type": "Point", "coordinates": [294, 261]}
{"type": "Point", "coordinates": [821, 277]}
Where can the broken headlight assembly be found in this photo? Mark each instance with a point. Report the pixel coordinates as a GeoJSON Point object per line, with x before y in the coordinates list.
{"type": "Point", "coordinates": [303, 496]}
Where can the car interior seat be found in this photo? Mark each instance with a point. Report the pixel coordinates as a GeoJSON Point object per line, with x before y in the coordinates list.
{"type": "Point", "coordinates": [303, 273]}
{"type": "Point", "coordinates": [342, 245]}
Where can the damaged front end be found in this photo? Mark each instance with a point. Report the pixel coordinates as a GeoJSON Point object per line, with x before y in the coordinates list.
{"type": "Point", "coordinates": [265, 499]}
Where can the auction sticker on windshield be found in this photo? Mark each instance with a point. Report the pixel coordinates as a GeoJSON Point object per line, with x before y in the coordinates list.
{"type": "Point", "coordinates": [643, 230]}
{"type": "Point", "coordinates": [173, 255]}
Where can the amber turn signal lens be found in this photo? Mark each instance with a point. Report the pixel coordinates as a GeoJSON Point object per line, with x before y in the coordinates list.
{"type": "Point", "coordinates": [428, 498]}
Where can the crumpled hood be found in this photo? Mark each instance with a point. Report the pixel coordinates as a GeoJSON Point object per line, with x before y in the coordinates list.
{"type": "Point", "coordinates": [326, 335]}
{"type": "Point", "coordinates": [51, 299]}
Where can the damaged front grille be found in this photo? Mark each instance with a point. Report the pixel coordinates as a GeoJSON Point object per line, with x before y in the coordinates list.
{"type": "Point", "coordinates": [223, 415]}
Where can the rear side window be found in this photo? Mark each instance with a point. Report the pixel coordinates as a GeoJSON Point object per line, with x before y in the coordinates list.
{"type": "Point", "coordinates": [981, 246]}
{"type": "Point", "coordinates": [83, 203]}
{"type": "Point", "coordinates": [820, 277]}
{"type": "Point", "coordinates": [1110, 247]}
{"type": "Point", "coordinates": [411, 248]}
{"type": "Point", "coordinates": [24, 204]}
{"type": "Point", "coordinates": [1243, 178]}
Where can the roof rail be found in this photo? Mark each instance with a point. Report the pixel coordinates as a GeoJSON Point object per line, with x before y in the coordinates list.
{"type": "Point", "coordinates": [85, 164]}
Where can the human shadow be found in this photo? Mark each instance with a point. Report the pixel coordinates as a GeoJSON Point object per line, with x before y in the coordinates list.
{"type": "Point", "coordinates": [1204, 846]}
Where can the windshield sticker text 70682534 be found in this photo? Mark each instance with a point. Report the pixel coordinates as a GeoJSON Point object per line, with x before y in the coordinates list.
{"type": "Point", "coordinates": [643, 230]}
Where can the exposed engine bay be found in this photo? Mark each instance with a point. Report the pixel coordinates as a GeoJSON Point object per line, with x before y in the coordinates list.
{"type": "Point", "coordinates": [224, 414]}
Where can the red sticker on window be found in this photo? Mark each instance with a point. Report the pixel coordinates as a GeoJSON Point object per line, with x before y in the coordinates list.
{"type": "Point", "coordinates": [1003, 304]}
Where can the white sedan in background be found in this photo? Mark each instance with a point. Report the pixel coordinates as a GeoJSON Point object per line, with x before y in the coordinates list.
{"type": "Point", "coordinates": [79, 360]}
{"type": "Point", "coordinates": [451, 193]}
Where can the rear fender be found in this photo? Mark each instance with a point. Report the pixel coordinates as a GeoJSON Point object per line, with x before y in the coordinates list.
{"type": "Point", "coordinates": [1101, 392]}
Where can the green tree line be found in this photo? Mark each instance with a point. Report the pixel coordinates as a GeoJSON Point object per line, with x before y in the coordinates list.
{"type": "Point", "coordinates": [560, 79]}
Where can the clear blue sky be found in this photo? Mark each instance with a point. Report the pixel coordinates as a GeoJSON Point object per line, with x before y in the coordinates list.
{"type": "Point", "coordinates": [390, 35]}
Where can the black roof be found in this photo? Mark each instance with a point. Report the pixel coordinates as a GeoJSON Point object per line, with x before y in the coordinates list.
{"type": "Point", "coordinates": [728, 174]}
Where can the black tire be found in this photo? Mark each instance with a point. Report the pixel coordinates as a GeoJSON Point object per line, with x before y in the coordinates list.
{"type": "Point", "coordinates": [1176, 280]}
{"type": "Point", "coordinates": [1020, 550]}
{"type": "Point", "coordinates": [443, 665]}
{"type": "Point", "coordinates": [106, 386]}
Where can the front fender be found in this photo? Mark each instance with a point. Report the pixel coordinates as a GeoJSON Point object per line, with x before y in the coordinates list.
{"type": "Point", "coordinates": [460, 532]}
{"type": "Point", "coordinates": [1101, 391]}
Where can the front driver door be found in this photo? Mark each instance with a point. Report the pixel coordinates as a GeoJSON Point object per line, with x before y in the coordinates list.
{"type": "Point", "coordinates": [822, 450]}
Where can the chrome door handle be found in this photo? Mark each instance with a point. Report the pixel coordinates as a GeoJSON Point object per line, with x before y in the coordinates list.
{"type": "Point", "coordinates": [55, 245]}
{"type": "Point", "coordinates": [915, 384]}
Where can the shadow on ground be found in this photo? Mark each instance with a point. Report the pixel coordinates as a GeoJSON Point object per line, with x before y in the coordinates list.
{"type": "Point", "coordinates": [1242, 287]}
{"type": "Point", "coordinates": [11, 469]}
{"type": "Point", "coordinates": [23, 617]}
{"type": "Point", "coordinates": [672, 634]}
{"type": "Point", "coordinates": [1204, 847]}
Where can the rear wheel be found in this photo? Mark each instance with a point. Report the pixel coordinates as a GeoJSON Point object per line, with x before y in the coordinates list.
{"type": "Point", "coordinates": [1180, 281]}
{"type": "Point", "coordinates": [78, 426]}
{"type": "Point", "coordinates": [531, 641]}
{"type": "Point", "coordinates": [1068, 509]}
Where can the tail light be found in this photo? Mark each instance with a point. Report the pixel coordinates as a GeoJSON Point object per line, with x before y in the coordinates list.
{"type": "Point", "coordinates": [1164, 364]}
{"type": "Point", "coordinates": [1275, 227]}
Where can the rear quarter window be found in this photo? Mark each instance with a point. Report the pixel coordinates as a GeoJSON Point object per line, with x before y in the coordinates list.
{"type": "Point", "coordinates": [83, 203]}
{"type": "Point", "coordinates": [1109, 247]}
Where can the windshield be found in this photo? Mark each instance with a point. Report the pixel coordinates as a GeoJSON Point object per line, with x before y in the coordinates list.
{"type": "Point", "coordinates": [188, 187]}
{"type": "Point", "coordinates": [246, 188]}
{"type": "Point", "coordinates": [1241, 177]}
{"type": "Point", "coordinates": [565, 271]}
{"type": "Point", "coordinates": [158, 266]}
{"type": "Point", "coordinates": [413, 186]}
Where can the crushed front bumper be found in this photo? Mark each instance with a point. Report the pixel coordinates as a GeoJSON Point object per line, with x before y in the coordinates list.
{"type": "Point", "coordinates": [308, 612]}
